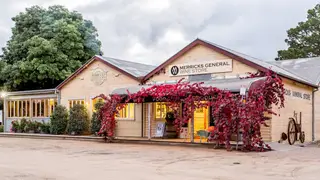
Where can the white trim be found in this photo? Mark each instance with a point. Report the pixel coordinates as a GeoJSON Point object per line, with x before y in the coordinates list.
{"type": "Point", "coordinates": [78, 98]}
{"type": "Point", "coordinates": [47, 96]}
{"type": "Point", "coordinates": [125, 119]}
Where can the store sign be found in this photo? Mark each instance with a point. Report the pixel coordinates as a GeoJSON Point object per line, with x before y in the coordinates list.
{"type": "Point", "coordinates": [206, 67]}
{"type": "Point", "coordinates": [98, 76]}
{"type": "Point", "coordinates": [160, 129]}
{"type": "Point", "coordinates": [297, 94]}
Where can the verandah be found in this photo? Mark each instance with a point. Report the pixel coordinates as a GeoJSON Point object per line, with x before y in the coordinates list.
{"type": "Point", "coordinates": [230, 112]}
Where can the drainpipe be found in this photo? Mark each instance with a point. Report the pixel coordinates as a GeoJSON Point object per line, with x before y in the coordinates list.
{"type": "Point", "coordinates": [313, 114]}
{"type": "Point", "coordinates": [59, 96]}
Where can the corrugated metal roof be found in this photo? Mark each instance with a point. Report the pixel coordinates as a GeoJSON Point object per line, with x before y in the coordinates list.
{"type": "Point", "coordinates": [308, 68]}
{"type": "Point", "coordinates": [269, 65]}
{"type": "Point", "coordinates": [232, 85]}
{"type": "Point", "coordinates": [133, 68]}
{"type": "Point", "coordinates": [27, 92]}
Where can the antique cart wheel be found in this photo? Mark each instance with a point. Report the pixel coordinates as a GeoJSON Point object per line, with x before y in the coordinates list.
{"type": "Point", "coordinates": [292, 131]}
{"type": "Point", "coordinates": [302, 137]}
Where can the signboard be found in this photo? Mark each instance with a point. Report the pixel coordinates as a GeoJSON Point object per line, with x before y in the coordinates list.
{"type": "Point", "coordinates": [243, 91]}
{"type": "Point", "coordinates": [297, 94]}
{"type": "Point", "coordinates": [204, 67]}
{"type": "Point", "coordinates": [161, 126]}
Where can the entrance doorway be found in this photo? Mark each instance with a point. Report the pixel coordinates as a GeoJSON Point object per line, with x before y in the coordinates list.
{"type": "Point", "coordinates": [200, 120]}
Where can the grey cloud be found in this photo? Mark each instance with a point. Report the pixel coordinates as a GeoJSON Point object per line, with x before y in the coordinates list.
{"type": "Point", "coordinates": [257, 28]}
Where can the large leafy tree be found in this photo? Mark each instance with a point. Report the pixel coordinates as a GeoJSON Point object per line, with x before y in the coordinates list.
{"type": "Point", "coordinates": [303, 40]}
{"type": "Point", "coordinates": [46, 46]}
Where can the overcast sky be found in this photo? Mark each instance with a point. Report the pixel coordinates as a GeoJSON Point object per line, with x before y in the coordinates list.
{"type": "Point", "coordinates": [150, 31]}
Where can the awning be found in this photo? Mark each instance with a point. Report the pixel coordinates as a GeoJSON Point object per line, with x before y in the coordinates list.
{"type": "Point", "coordinates": [233, 85]}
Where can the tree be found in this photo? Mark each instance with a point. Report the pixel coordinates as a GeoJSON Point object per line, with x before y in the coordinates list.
{"type": "Point", "coordinates": [46, 46]}
{"type": "Point", "coordinates": [303, 40]}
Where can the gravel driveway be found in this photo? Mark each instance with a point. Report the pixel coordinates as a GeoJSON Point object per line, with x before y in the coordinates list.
{"type": "Point", "coordinates": [35, 159]}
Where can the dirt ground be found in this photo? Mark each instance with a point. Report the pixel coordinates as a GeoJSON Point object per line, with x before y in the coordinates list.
{"type": "Point", "coordinates": [31, 159]}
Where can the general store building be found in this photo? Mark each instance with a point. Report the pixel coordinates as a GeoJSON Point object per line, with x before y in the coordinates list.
{"type": "Point", "coordinates": [200, 61]}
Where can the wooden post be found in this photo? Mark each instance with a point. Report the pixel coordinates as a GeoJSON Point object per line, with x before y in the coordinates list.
{"type": "Point", "coordinates": [30, 108]}
{"type": "Point", "coordinates": [192, 128]}
{"type": "Point", "coordinates": [149, 121]}
{"type": "Point", "coordinates": [6, 113]}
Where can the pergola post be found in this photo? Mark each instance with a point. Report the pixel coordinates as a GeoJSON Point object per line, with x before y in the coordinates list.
{"type": "Point", "coordinates": [149, 121]}
{"type": "Point", "coordinates": [192, 128]}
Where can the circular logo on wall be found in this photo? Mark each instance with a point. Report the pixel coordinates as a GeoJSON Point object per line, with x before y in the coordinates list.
{"type": "Point", "coordinates": [174, 70]}
{"type": "Point", "coordinates": [98, 76]}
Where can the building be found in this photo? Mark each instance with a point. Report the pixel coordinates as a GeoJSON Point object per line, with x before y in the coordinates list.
{"type": "Point", "coordinates": [206, 61]}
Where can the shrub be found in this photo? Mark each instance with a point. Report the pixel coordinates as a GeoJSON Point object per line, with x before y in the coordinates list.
{"type": "Point", "coordinates": [59, 120]}
{"type": "Point", "coordinates": [96, 121]}
{"type": "Point", "coordinates": [79, 120]}
{"type": "Point", "coordinates": [45, 127]}
{"type": "Point", "coordinates": [23, 124]}
{"type": "Point", "coordinates": [1, 128]}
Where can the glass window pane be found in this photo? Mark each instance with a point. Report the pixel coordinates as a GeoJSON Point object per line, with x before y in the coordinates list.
{"type": "Point", "coordinates": [38, 104]}
{"type": "Point", "coordinates": [17, 108]}
{"type": "Point", "coordinates": [131, 110]}
{"type": "Point", "coordinates": [34, 108]}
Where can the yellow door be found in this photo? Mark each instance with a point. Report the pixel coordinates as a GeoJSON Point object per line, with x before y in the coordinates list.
{"type": "Point", "coordinates": [200, 120]}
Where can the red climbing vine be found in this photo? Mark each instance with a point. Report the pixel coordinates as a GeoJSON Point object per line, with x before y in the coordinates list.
{"type": "Point", "coordinates": [231, 111]}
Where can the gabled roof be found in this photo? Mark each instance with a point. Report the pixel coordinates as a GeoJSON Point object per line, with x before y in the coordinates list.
{"type": "Point", "coordinates": [309, 68]}
{"type": "Point", "coordinates": [245, 59]}
{"type": "Point", "coordinates": [132, 69]}
{"type": "Point", "coordinates": [138, 70]}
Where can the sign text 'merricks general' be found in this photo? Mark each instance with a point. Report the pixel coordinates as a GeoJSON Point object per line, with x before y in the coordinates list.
{"type": "Point", "coordinates": [214, 66]}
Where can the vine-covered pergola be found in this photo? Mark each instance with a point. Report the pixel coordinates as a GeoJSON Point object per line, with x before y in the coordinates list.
{"type": "Point", "coordinates": [231, 111]}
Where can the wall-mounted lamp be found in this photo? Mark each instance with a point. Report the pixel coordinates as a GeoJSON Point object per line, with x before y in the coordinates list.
{"type": "Point", "coordinates": [3, 94]}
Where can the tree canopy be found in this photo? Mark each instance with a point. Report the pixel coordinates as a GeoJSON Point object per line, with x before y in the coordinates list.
{"type": "Point", "coordinates": [303, 40]}
{"type": "Point", "coordinates": [46, 46]}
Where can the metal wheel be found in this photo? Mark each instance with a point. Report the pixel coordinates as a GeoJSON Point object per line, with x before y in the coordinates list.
{"type": "Point", "coordinates": [292, 131]}
{"type": "Point", "coordinates": [302, 137]}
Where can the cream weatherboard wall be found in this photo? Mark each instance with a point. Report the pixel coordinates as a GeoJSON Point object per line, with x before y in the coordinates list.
{"type": "Point", "coordinates": [293, 102]}
{"type": "Point", "coordinates": [317, 114]}
{"type": "Point", "coordinates": [83, 87]}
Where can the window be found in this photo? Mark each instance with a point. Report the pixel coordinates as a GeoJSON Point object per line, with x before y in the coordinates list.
{"type": "Point", "coordinates": [127, 112]}
{"type": "Point", "coordinates": [43, 107]}
{"type": "Point", "coordinates": [37, 107]}
{"type": "Point", "coordinates": [76, 101]}
{"type": "Point", "coordinates": [161, 110]}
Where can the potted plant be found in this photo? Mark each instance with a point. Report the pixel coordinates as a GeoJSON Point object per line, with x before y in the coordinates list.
{"type": "Point", "coordinates": [30, 127]}
{"type": "Point", "coordinates": [23, 123]}
{"type": "Point", "coordinates": [15, 126]}
{"type": "Point", "coordinates": [37, 126]}
{"type": "Point", "coordinates": [170, 118]}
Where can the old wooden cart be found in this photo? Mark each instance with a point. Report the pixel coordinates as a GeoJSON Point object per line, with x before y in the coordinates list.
{"type": "Point", "coordinates": [295, 129]}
